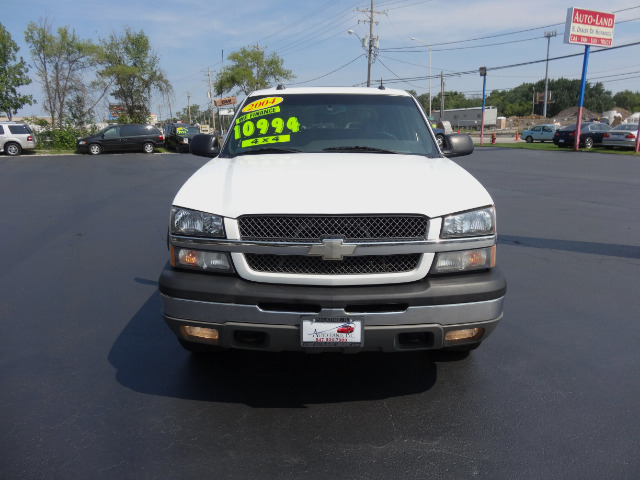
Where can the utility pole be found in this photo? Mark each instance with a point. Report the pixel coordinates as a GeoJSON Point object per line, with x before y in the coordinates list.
{"type": "Point", "coordinates": [213, 115]}
{"type": "Point", "coordinates": [170, 113]}
{"type": "Point", "coordinates": [374, 43]}
{"type": "Point", "coordinates": [441, 94]}
{"type": "Point", "coordinates": [189, 106]}
{"type": "Point", "coordinates": [548, 36]}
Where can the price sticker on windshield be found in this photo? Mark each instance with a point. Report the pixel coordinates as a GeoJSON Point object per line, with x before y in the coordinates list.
{"type": "Point", "coordinates": [262, 123]}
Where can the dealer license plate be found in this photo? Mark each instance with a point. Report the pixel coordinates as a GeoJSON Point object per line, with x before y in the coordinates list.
{"type": "Point", "coordinates": [331, 332]}
{"type": "Point", "coordinates": [561, 140]}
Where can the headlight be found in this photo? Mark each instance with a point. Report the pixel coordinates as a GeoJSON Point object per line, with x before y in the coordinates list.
{"type": "Point", "coordinates": [82, 142]}
{"type": "Point", "coordinates": [192, 222]}
{"type": "Point", "coordinates": [470, 224]}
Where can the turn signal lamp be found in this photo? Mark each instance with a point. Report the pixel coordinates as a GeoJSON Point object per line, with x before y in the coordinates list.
{"type": "Point", "coordinates": [463, 335]}
{"type": "Point", "coordinates": [201, 332]}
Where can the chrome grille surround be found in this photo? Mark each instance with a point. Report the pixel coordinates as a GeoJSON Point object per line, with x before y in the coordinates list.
{"type": "Point", "coordinates": [351, 228]}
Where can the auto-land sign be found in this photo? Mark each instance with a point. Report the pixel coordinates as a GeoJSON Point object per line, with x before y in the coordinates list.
{"type": "Point", "coordinates": [588, 27]}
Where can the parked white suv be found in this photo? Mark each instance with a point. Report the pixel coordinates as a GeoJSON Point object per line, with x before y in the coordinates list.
{"type": "Point", "coordinates": [330, 220]}
{"type": "Point", "coordinates": [16, 137]}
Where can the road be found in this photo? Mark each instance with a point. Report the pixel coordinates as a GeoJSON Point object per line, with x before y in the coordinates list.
{"type": "Point", "coordinates": [94, 385]}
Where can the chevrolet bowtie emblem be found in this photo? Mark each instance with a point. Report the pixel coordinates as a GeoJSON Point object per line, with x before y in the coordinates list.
{"type": "Point", "coordinates": [332, 249]}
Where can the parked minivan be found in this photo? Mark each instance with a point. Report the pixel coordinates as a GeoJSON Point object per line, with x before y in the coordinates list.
{"type": "Point", "coordinates": [131, 137]}
{"type": "Point", "coordinates": [15, 137]}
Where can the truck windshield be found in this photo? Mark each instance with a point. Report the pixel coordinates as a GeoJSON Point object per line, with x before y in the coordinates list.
{"type": "Point", "coordinates": [330, 123]}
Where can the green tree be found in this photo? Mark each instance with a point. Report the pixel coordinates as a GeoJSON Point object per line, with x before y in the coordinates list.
{"type": "Point", "coordinates": [627, 100]}
{"type": "Point", "coordinates": [61, 60]}
{"type": "Point", "coordinates": [131, 66]}
{"type": "Point", "coordinates": [198, 114]}
{"type": "Point", "coordinates": [251, 70]}
{"type": "Point", "coordinates": [13, 74]}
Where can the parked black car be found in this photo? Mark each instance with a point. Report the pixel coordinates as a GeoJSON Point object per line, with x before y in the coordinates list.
{"type": "Point", "coordinates": [131, 137]}
{"type": "Point", "coordinates": [179, 136]}
{"type": "Point", "coordinates": [591, 134]}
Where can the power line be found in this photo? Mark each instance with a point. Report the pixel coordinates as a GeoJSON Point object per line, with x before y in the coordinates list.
{"type": "Point", "coordinates": [327, 74]}
{"type": "Point", "coordinates": [503, 67]}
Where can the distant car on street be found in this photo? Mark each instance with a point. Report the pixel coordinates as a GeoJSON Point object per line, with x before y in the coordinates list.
{"type": "Point", "coordinates": [623, 135]}
{"type": "Point", "coordinates": [591, 133]}
{"type": "Point", "coordinates": [539, 133]}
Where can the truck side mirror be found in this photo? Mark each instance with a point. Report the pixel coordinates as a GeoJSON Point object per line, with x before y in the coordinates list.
{"type": "Point", "coordinates": [457, 145]}
{"type": "Point", "coordinates": [204, 145]}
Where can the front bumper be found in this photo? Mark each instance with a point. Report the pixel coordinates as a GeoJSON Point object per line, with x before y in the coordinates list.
{"type": "Point", "coordinates": [400, 317]}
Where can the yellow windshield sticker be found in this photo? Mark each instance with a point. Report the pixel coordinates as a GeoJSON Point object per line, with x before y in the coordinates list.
{"type": "Point", "coordinates": [264, 126]}
{"type": "Point", "coordinates": [261, 113]}
{"type": "Point", "coordinates": [181, 131]}
{"type": "Point", "coordinates": [262, 103]}
{"type": "Point", "coordinates": [266, 140]}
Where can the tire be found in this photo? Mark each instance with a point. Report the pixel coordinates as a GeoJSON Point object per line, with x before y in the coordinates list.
{"type": "Point", "coordinates": [95, 149]}
{"type": "Point", "coordinates": [588, 142]}
{"type": "Point", "coordinates": [148, 147]}
{"type": "Point", "coordinates": [178, 148]}
{"type": "Point", "coordinates": [440, 140]}
{"type": "Point", "coordinates": [529, 139]}
{"type": "Point", "coordinates": [12, 149]}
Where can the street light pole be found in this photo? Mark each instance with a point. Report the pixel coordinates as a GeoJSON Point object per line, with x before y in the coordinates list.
{"type": "Point", "coordinates": [548, 36]}
{"type": "Point", "coordinates": [483, 74]}
{"type": "Point", "coordinates": [429, 47]}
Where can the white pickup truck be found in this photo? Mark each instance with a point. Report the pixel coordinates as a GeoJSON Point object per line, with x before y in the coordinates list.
{"type": "Point", "coordinates": [330, 220]}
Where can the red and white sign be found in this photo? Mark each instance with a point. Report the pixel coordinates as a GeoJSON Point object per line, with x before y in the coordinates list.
{"type": "Point", "coordinates": [588, 27]}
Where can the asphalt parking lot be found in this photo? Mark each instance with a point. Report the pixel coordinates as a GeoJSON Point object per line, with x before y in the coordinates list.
{"type": "Point", "coordinates": [94, 385]}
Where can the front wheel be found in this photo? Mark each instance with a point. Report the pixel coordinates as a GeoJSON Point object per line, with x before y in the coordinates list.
{"type": "Point", "coordinates": [148, 147]}
{"type": "Point", "coordinates": [529, 139]}
{"type": "Point", "coordinates": [12, 149]}
{"type": "Point", "coordinates": [588, 142]}
{"type": "Point", "coordinates": [95, 149]}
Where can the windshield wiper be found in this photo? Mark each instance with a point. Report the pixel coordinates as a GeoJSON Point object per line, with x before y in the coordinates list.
{"type": "Point", "coordinates": [269, 150]}
{"type": "Point", "coordinates": [357, 148]}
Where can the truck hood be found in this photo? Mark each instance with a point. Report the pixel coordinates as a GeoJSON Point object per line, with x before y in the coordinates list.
{"type": "Point", "coordinates": [331, 183]}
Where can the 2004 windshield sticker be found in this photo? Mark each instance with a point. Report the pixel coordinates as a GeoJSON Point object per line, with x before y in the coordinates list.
{"type": "Point", "coordinates": [261, 124]}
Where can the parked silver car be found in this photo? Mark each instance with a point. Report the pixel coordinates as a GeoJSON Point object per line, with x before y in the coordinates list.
{"type": "Point", "coordinates": [623, 135]}
{"type": "Point", "coordinates": [16, 137]}
{"type": "Point", "coordinates": [539, 133]}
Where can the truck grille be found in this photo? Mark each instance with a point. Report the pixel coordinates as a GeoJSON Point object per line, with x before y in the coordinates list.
{"type": "Point", "coordinates": [304, 265]}
{"type": "Point", "coordinates": [315, 229]}
{"type": "Point", "coordinates": [285, 228]}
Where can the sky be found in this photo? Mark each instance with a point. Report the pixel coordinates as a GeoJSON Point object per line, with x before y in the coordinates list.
{"type": "Point", "coordinates": [194, 37]}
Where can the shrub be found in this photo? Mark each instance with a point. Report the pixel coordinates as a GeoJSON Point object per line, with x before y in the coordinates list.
{"type": "Point", "coordinates": [59, 138]}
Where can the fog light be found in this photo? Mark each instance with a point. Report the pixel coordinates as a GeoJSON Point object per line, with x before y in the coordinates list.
{"type": "Point", "coordinates": [465, 334]}
{"type": "Point", "coordinates": [200, 332]}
